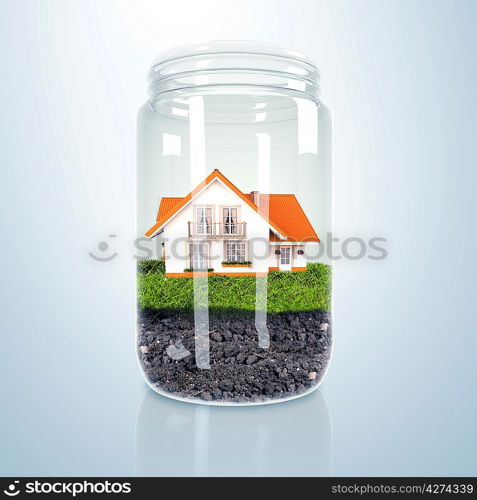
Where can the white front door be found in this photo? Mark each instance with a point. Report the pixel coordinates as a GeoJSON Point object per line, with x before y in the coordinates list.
{"type": "Point", "coordinates": [285, 258]}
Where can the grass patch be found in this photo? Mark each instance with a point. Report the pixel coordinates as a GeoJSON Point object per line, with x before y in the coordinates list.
{"type": "Point", "coordinates": [151, 266]}
{"type": "Point", "coordinates": [287, 291]}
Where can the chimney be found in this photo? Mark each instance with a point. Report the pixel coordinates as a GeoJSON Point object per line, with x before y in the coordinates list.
{"type": "Point", "coordinates": [255, 198]}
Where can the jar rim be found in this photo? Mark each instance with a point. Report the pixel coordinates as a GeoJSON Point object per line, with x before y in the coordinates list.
{"type": "Point", "coordinates": [232, 62]}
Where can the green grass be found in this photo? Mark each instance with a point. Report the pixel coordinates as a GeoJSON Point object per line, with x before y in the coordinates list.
{"type": "Point", "coordinates": [287, 291]}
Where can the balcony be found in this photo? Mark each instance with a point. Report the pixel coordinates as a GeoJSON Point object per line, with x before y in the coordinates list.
{"type": "Point", "coordinates": [218, 230]}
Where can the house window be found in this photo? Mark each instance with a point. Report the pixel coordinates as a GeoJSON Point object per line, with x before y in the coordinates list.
{"type": "Point", "coordinates": [199, 255]}
{"type": "Point", "coordinates": [204, 220]}
{"type": "Point", "coordinates": [285, 255]}
{"type": "Point", "coordinates": [229, 220]}
{"type": "Point", "coordinates": [235, 251]}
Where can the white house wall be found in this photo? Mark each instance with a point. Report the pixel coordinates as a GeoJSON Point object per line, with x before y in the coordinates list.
{"type": "Point", "coordinates": [216, 195]}
{"type": "Point", "coordinates": [299, 260]}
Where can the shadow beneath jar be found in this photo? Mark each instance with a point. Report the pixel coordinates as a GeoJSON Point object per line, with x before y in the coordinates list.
{"type": "Point", "coordinates": [284, 439]}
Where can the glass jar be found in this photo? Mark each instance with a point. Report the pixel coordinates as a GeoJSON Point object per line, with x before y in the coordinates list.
{"type": "Point", "coordinates": [234, 208]}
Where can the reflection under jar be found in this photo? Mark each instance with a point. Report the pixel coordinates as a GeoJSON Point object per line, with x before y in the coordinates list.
{"type": "Point", "coordinates": [180, 439]}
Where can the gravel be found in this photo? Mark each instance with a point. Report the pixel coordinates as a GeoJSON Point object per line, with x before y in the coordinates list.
{"type": "Point", "coordinates": [240, 371]}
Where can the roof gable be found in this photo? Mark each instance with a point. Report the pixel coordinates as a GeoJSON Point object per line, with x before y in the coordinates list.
{"type": "Point", "coordinates": [285, 214]}
{"type": "Point", "coordinates": [177, 206]}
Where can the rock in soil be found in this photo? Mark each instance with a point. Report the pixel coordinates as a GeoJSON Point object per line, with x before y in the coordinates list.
{"type": "Point", "coordinates": [240, 371]}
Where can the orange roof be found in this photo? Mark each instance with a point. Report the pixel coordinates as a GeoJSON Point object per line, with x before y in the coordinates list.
{"type": "Point", "coordinates": [167, 205]}
{"type": "Point", "coordinates": [285, 213]}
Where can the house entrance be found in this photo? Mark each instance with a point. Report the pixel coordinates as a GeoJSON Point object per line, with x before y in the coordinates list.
{"type": "Point", "coordinates": [285, 259]}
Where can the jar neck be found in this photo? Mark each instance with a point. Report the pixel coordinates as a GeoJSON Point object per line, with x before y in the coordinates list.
{"type": "Point", "coordinates": [232, 64]}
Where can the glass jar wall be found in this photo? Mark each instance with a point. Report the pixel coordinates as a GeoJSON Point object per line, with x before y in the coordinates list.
{"type": "Point", "coordinates": [234, 208]}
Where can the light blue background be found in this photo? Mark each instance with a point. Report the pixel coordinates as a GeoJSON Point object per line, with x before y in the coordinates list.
{"type": "Point", "coordinates": [400, 397]}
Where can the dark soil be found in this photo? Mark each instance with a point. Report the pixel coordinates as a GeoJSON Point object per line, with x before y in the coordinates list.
{"type": "Point", "coordinates": [240, 372]}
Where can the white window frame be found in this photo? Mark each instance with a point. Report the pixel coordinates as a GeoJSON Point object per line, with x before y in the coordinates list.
{"type": "Point", "coordinates": [209, 229]}
{"type": "Point", "coordinates": [232, 254]}
{"type": "Point", "coordinates": [234, 226]}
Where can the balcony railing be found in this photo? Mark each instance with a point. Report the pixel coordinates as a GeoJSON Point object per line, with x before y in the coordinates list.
{"type": "Point", "coordinates": [218, 230]}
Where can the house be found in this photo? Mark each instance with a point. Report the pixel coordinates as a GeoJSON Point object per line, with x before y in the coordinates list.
{"type": "Point", "coordinates": [218, 226]}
